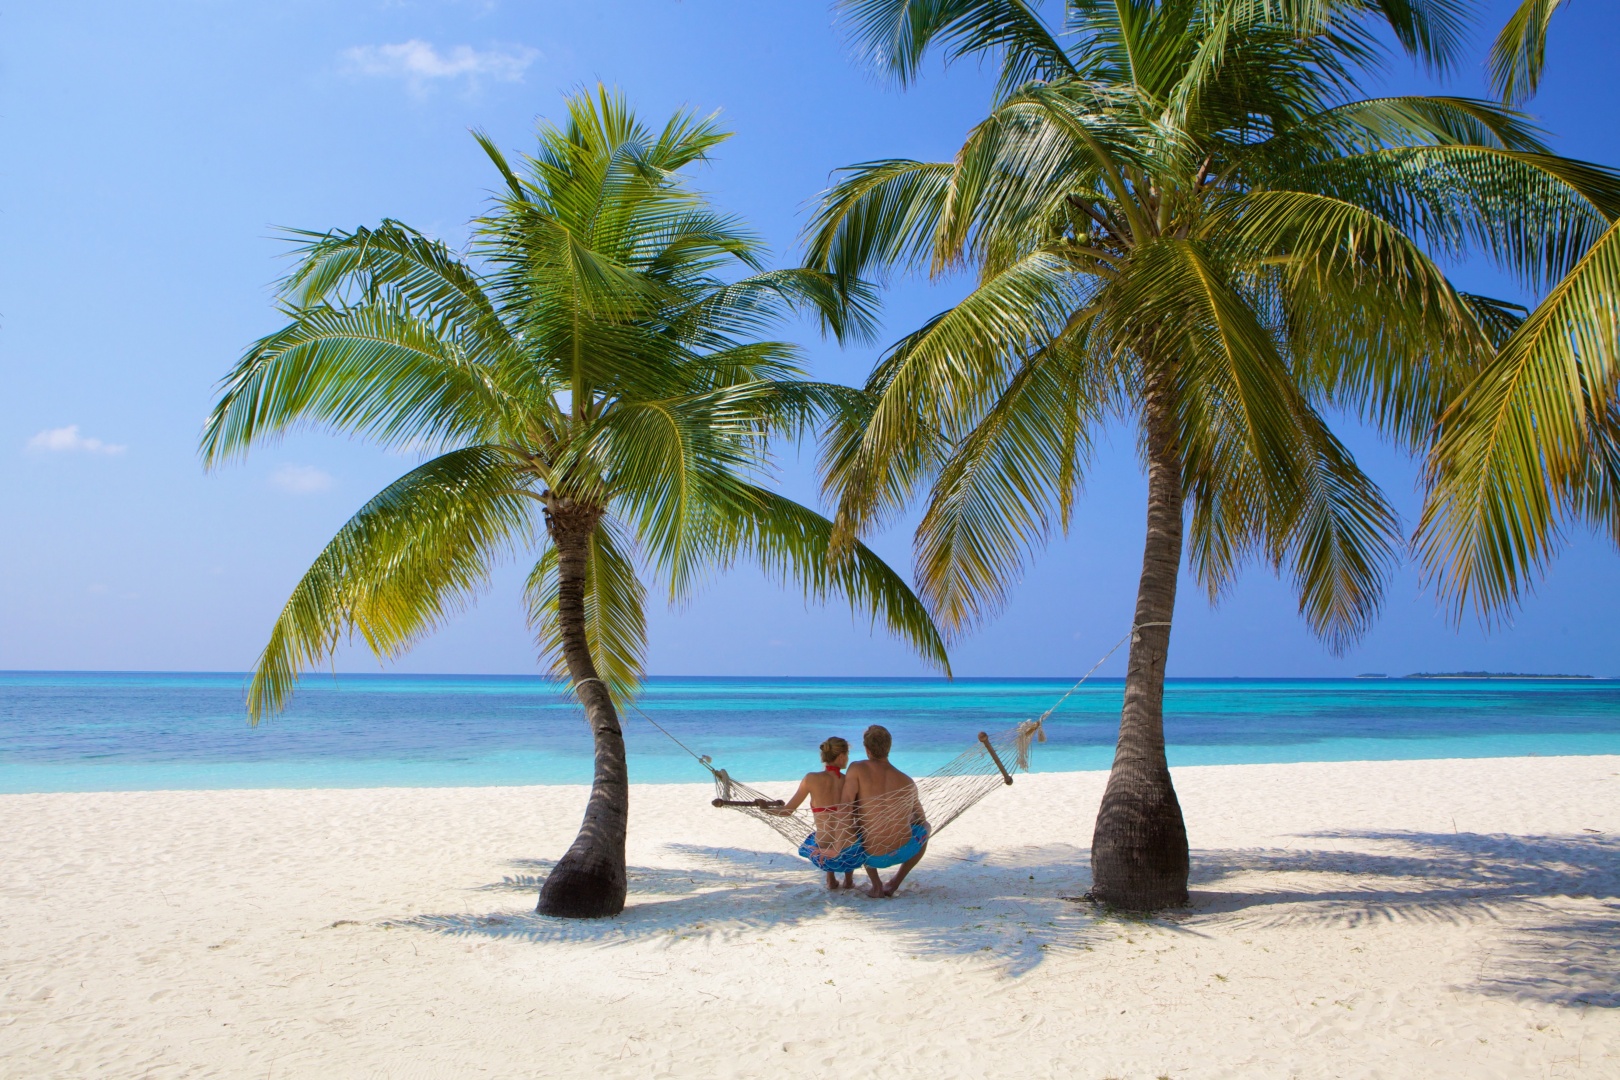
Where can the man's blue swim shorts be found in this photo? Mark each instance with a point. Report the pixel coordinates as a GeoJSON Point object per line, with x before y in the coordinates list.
{"type": "Point", "coordinates": [919, 837]}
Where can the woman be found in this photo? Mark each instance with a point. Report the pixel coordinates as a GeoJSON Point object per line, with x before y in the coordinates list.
{"type": "Point", "coordinates": [832, 847]}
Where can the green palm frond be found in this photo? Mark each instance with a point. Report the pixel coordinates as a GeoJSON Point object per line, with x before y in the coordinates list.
{"type": "Point", "coordinates": [871, 488]}
{"type": "Point", "coordinates": [1438, 120]}
{"type": "Point", "coordinates": [665, 459]}
{"type": "Point", "coordinates": [991, 505]}
{"type": "Point", "coordinates": [1594, 492]}
{"type": "Point", "coordinates": [339, 268]}
{"type": "Point", "coordinates": [893, 36]}
{"type": "Point", "coordinates": [409, 559]}
{"type": "Point", "coordinates": [879, 213]}
{"type": "Point", "coordinates": [1532, 213]}
{"type": "Point", "coordinates": [1181, 297]}
{"type": "Point", "coordinates": [1374, 325]}
{"type": "Point", "coordinates": [372, 369]}
{"type": "Point", "coordinates": [1518, 437]}
{"type": "Point", "coordinates": [943, 377]}
{"type": "Point", "coordinates": [1341, 541]}
{"type": "Point", "coordinates": [1435, 31]}
{"type": "Point", "coordinates": [796, 545]}
{"type": "Point", "coordinates": [1520, 50]}
{"type": "Point", "coordinates": [1497, 319]}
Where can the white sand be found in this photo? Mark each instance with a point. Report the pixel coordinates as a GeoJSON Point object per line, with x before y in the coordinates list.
{"type": "Point", "coordinates": [1401, 919]}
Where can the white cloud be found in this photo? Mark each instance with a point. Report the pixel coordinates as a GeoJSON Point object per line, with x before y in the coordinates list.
{"type": "Point", "coordinates": [67, 440]}
{"type": "Point", "coordinates": [420, 64]}
{"type": "Point", "coordinates": [301, 480]}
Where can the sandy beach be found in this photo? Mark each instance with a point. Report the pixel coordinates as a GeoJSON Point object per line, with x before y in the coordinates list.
{"type": "Point", "coordinates": [1363, 919]}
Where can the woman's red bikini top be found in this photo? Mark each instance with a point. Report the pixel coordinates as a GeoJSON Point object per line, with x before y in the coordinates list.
{"type": "Point", "coordinates": [836, 771]}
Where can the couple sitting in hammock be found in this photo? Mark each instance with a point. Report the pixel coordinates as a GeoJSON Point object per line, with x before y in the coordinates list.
{"type": "Point", "coordinates": [870, 818]}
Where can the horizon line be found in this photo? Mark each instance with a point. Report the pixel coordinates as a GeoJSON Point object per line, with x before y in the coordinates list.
{"type": "Point", "coordinates": [1362, 678]}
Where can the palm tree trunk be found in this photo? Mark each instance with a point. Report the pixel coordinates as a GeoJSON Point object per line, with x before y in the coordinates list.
{"type": "Point", "coordinates": [589, 881]}
{"type": "Point", "coordinates": [1139, 847]}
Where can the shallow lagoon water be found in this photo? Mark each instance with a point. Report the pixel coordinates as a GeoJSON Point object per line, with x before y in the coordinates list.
{"type": "Point", "coordinates": [86, 731]}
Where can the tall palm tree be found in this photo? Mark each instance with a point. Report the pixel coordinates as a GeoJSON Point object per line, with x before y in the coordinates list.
{"type": "Point", "coordinates": [589, 367]}
{"type": "Point", "coordinates": [1532, 443]}
{"type": "Point", "coordinates": [1182, 216]}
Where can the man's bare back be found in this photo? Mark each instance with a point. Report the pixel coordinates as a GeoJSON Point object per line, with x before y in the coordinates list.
{"type": "Point", "coordinates": [885, 804]}
{"type": "Point", "coordinates": [888, 813]}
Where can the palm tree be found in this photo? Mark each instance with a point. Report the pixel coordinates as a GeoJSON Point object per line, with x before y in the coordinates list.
{"type": "Point", "coordinates": [1532, 443]}
{"type": "Point", "coordinates": [1185, 218]}
{"type": "Point", "coordinates": [592, 368]}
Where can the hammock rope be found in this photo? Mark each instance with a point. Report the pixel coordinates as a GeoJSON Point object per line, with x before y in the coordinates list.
{"type": "Point", "coordinates": [944, 794]}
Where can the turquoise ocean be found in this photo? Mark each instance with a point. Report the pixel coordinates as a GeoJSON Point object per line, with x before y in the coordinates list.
{"type": "Point", "coordinates": [85, 731]}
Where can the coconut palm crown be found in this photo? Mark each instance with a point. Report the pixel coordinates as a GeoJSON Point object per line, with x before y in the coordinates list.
{"type": "Point", "coordinates": [1182, 215]}
{"type": "Point", "coordinates": [594, 386]}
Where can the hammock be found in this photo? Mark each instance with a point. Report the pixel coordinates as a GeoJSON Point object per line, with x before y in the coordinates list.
{"type": "Point", "coordinates": [944, 794]}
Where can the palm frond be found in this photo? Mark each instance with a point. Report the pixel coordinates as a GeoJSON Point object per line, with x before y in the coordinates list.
{"type": "Point", "coordinates": [1520, 50]}
{"type": "Point", "coordinates": [1373, 324]}
{"type": "Point", "coordinates": [878, 214]}
{"type": "Point", "coordinates": [410, 558]}
{"type": "Point", "coordinates": [1534, 214]}
{"type": "Point", "coordinates": [795, 545]}
{"type": "Point", "coordinates": [1517, 436]}
{"type": "Point", "coordinates": [893, 36]}
{"type": "Point", "coordinates": [1340, 542]}
{"type": "Point", "coordinates": [991, 505]}
{"type": "Point", "coordinates": [375, 369]}
{"type": "Point", "coordinates": [939, 381]}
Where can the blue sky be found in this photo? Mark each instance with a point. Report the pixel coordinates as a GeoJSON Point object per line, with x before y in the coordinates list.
{"type": "Point", "coordinates": [149, 152]}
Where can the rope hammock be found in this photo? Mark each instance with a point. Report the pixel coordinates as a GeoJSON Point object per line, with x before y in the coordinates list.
{"type": "Point", "coordinates": [944, 794]}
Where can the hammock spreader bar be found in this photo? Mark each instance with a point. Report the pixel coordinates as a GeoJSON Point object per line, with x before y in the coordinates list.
{"type": "Point", "coordinates": [990, 749]}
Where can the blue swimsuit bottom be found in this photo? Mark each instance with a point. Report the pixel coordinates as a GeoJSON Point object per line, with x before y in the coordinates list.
{"type": "Point", "coordinates": [851, 858]}
{"type": "Point", "coordinates": [919, 837]}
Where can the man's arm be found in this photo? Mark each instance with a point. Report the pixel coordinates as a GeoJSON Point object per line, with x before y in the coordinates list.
{"type": "Point", "coordinates": [852, 783]}
{"type": "Point", "coordinates": [851, 802]}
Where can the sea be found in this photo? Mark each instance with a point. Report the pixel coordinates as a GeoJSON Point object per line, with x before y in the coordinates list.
{"type": "Point", "coordinates": [124, 731]}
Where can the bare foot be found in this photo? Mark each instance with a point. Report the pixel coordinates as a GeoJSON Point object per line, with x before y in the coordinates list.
{"type": "Point", "coordinates": [875, 892]}
{"type": "Point", "coordinates": [832, 882]}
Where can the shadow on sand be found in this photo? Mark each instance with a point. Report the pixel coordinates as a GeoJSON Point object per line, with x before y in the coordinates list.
{"type": "Point", "coordinates": [1557, 898]}
{"type": "Point", "coordinates": [1003, 907]}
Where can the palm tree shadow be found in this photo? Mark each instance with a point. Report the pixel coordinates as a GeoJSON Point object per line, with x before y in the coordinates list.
{"type": "Point", "coordinates": [1001, 907]}
{"type": "Point", "coordinates": [1006, 907]}
{"type": "Point", "coordinates": [1571, 962]}
{"type": "Point", "coordinates": [1556, 948]}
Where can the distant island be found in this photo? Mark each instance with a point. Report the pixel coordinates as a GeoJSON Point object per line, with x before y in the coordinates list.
{"type": "Point", "coordinates": [1482, 675]}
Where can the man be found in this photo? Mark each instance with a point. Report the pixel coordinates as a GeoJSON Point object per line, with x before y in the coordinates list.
{"type": "Point", "coordinates": [887, 813]}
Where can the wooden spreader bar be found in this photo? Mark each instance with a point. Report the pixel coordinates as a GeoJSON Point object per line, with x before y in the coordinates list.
{"type": "Point", "coordinates": [995, 757]}
{"type": "Point", "coordinates": [760, 804]}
